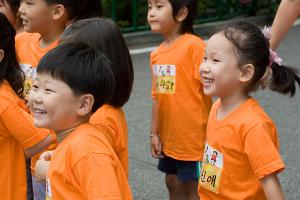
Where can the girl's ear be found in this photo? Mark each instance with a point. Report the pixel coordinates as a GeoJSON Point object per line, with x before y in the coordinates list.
{"type": "Point", "coordinates": [58, 11]}
{"type": "Point", "coordinates": [1, 55]}
{"type": "Point", "coordinates": [86, 103]}
{"type": "Point", "coordinates": [247, 73]}
{"type": "Point", "coordinates": [182, 14]}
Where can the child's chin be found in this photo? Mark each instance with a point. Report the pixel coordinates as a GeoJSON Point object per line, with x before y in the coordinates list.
{"type": "Point", "coordinates": [39, 124]}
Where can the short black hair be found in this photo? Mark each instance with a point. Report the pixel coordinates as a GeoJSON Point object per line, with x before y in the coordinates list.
{"type": "Point", "coordinates": [82, 68]}
{"type": "Point", "coordinates": [191, 5]}
{"type": "Point", "coordinates": [73, 7]}
{"type": "Point", "coordinates": [102, 34]}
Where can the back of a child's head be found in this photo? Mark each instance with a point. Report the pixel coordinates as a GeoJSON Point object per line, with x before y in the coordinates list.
{"type": "Point", "coordinates": [191, 6]}
{"type": "Point", "coordinates": [83, 69]}
{"type": "Point", "coordinates": [9, 66]}
{"type": "Point", "coordinates": [13, 4]}
{"type": "Point", "coordinates": [93, 8]}
{"type": "Point", "coordinates": [252, 47]}
{"type": "Point", "coordinates": [103, 35]}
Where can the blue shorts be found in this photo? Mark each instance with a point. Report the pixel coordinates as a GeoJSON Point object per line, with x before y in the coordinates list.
{"type": "Point", "coordinates": [185, 170]}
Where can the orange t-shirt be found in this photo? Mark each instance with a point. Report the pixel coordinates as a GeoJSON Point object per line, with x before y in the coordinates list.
{"type": "Point", "coordinates": [112, 122]}
{"type": "Point", "coordinates": [241, 149]}
{"type": "Point", "coordinates": [29, 54]}
{"type": "Point", "coordinates": [183, 107]}
{"type": "Point", "coordinates": [17, 132]}
{"type": "Point", "coordinates": [85, 166]}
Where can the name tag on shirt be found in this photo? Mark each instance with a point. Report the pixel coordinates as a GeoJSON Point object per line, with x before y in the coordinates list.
{"type": "Point", "coordinates": [48, 190]}
{"type": "Point", "coordinates": [165, 77]}
{"type": "Point", "coordinates": [211, 170]}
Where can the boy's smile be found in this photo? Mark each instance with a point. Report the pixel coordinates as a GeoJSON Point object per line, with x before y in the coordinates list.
{"type": "Point", "coordinates": [53, 103]}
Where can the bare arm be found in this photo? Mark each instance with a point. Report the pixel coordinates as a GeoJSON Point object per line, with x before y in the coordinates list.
{"type": "Point", "coordinates": [287, 13]}
{"type": "Point", "coordinates": [38, 147]}
{"type": "Point", "coordinates": [272, 187]}
{"type": "Point", "coordinates": [154, 135]}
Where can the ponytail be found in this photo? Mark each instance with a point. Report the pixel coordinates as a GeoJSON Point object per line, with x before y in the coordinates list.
{"type": "Point", "coordinates": [284, 79]}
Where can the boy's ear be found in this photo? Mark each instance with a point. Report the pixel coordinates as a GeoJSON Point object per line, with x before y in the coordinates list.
{"type": "Point", "coordinates": [182, 14]}
{"type": "Point", "coordinates": [86, 103]}
{"type": "Point", "coordinates": [247, 73]}
{"type": "Point", "coordinates": [58, 11]}
{"type": "Point", "coordinates": [1, 55]}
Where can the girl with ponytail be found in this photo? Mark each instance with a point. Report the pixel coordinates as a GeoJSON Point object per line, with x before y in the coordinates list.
{"type": "Point", "coordinates": [241, 158]}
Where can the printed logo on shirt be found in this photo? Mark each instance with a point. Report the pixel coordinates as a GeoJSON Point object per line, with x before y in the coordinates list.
{"type": "Point", "coordinates": [211, 171]}
{"type": "Point", "coordinates": [164, 77]}
{"type": "Point", "coordinates": [30, 74]}
{"type": "Point", "coordinates": [48, 190]}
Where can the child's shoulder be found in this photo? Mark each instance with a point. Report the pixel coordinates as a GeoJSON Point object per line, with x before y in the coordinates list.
{"type": "Point", "coordinates": [7, 96]}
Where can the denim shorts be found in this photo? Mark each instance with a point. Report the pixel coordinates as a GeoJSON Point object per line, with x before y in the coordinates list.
{"type": "Point", "coordinates": [185, 170]}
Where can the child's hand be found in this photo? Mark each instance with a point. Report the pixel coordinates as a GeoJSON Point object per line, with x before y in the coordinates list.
{"type": "Point", "coordinates": [155, 146]}
{"type": "Point", "coordinates": [42, 166]}
{"type": "Point", "coordinates": [41, 170]}
{"type": "Point", "coordinates": [46, 156]}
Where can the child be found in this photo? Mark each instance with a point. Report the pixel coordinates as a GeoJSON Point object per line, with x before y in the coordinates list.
{"type": "Point", "coordinates": [79, 78]}
{"type": "Point", "coordinates": [102, 34]}
{"type": "Point", "coordinates": [18, 135]}
{"type": "Point", "coordinates": [10, 9]}
{"type": "Point", "coordinates": [239, 131]}
{"type": "Point", "coordinates": [177, 133]}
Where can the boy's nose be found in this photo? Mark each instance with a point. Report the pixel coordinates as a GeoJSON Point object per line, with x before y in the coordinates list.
{"type": "Point", "coordinates": [204, 68]}
{"type": "Point", "coordinates": [22, 8]}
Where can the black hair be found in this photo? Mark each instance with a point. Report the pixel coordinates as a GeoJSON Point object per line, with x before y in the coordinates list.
{"type": "Point", "coordinates": [251, 47]}
{"type": "Point", "coordinates": [103, 34]}
{"type": "Point", "coordinates": [191, 5]}
{"type": "Point", "coordinates": [13, 4]}
{"type": "Point", "coordinates": [73, 7]}
{"type": "Point", "coordinates": [93, 8]}
{"type": "Point", "coordinates": [83, 69]}
{"type": "Point", "coordinates": [9, 67]}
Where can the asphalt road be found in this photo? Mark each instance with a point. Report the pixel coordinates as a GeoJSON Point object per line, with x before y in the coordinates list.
{"type": "Point", "coordinates": [148, 183]}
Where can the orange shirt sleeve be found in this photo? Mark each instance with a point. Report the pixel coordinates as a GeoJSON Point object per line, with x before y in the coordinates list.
{"type": "Point", "coordinates": [198, 55]}
{"type": "Point", "coordinates": [95, 185]}
{"type": "Point", "coordinates": [153, 92]}
{"type": "Point", "coordinates": [261, 147]}
{"type": "Point", "coordinates": [20, 124]}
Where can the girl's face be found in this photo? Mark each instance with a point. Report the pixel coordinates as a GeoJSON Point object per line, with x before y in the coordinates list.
{"type": "Point", "coordinates": [7, 11]}
{"type": "Point", "coordinates": [219, 71]}
{"type": "Point", "coordinates": [160, 16]}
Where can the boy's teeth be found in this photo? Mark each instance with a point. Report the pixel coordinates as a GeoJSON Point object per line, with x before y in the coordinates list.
{"type": "Point", "coordinates": [208, 80]}
{"type": "Point", "coordinates": [40, 111]}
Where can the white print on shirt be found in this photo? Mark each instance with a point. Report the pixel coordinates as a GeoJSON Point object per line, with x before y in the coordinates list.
{"type": "Point", "coordinates": [30, 74]}
{"type": "Point", "coordinates": [48, 190]}
{"type": "Point", "coordinates": [164, 77]}
{"type": "Point", "coordinates": [211, 171]}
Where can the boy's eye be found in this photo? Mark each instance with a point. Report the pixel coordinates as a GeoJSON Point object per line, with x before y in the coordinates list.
{"type": "Point", "coordinates": [34, 86]}
{"type": "Point", "coordinates": [49, 90]}
{"type": "Point", "coordinates": [216, 60]}
{"type": "Point", "coordinates": [205, 58]}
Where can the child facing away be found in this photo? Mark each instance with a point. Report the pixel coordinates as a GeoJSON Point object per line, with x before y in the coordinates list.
{"type": "Point", "coordinates": [180, 109]}
{"type": "Point", "coordinates": [19, 138]}
{"type": "Point", "coordinates": [102, 34]}
{"type": "Point", "coordinates": [10, 9]}
{"type": "Point", "coordinates": [73, 81]}
{"type": "Point", "coordinates": [241, 158]}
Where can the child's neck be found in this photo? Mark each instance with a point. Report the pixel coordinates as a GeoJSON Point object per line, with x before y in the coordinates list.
{"type": "Point", "coordinates": [50, 36]}
{"type": "Point", "coordinates": [229, 103]}
{"type": "Point", "coordinates": [171, 36]}
{"type": "Point", "coordinates": [62, 134]}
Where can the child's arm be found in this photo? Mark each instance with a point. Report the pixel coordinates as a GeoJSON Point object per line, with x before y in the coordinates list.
{"type": "Point", "coordinates": [38, 147]}
{"type": "Point", "coordinates": [287, 13]}
{"type": "Point", "coordinates": [272, 187]}
{"type": "Point", "coordinates": [155, 143]}
{"type": "Point", "coordinates": [42, 166]}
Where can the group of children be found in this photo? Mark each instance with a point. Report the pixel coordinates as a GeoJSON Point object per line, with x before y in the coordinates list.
{"type": "Point", "coordinates": [65, 79]}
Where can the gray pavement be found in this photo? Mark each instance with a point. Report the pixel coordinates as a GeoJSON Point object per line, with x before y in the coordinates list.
{"type": "Point", "coordinates": [148, 183]}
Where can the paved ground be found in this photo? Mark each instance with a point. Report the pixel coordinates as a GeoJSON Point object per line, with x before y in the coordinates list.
{"type": "Point", "coordinates": [148, 183]}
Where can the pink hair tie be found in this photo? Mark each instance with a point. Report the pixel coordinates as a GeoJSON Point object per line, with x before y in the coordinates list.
{"type": "Point", "coordinates": [274, 57]}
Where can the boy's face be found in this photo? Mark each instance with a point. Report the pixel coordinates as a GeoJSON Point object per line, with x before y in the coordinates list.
{"type": "Point", "coordinates": [36, 15]}
{"type": "Point", "coordinates": [53, 103]}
